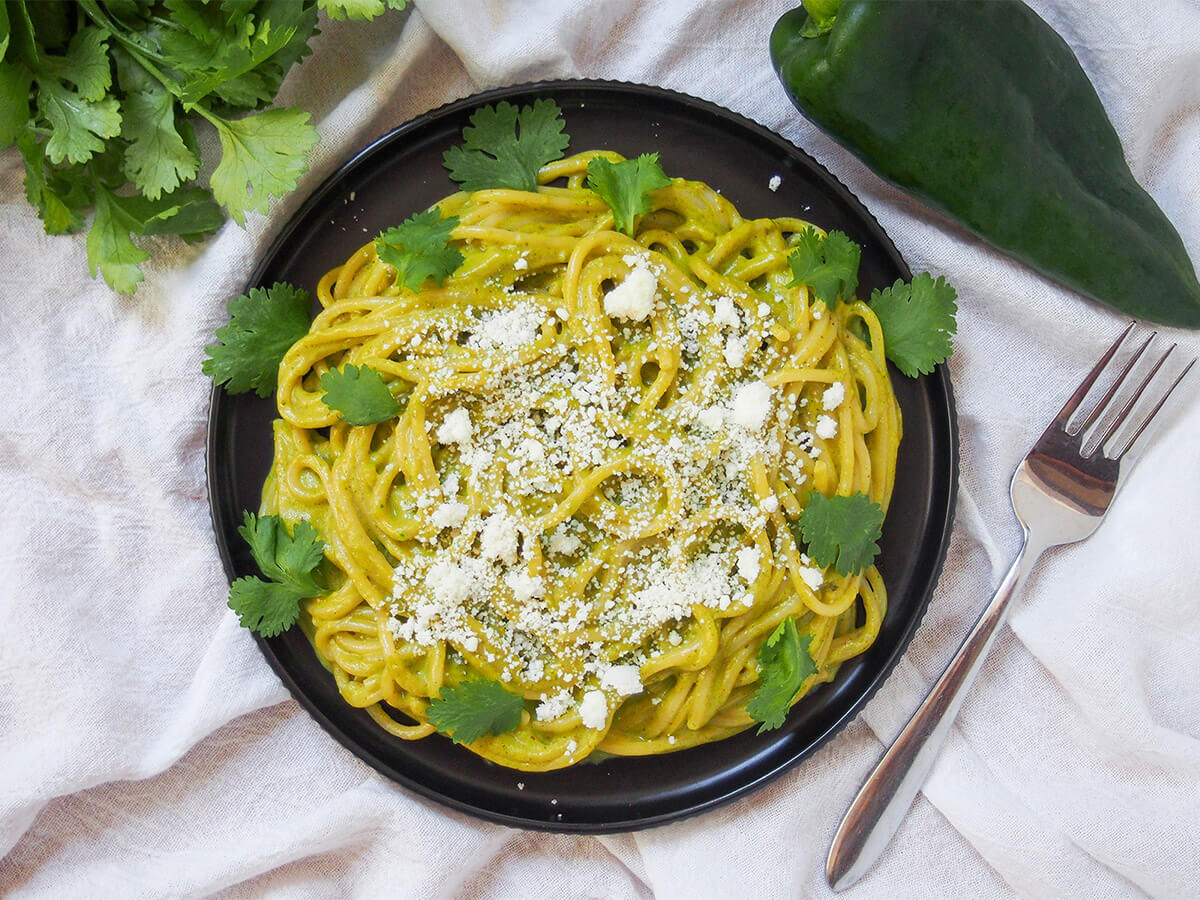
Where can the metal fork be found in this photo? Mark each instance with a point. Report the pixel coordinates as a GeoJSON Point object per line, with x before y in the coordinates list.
{"type": "Point", "coordinates": [1060, 493]}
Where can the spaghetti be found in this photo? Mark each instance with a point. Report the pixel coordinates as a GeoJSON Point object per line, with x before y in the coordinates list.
{"type": "Point", "coordinates": [587, 494]}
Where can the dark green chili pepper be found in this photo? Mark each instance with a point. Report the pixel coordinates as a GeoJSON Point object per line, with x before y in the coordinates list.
{"type": "Point", "coordinates": [983, 112]}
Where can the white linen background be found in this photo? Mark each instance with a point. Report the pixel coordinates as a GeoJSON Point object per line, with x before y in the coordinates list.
{"type": "Point", "coordinates": [146, 749]}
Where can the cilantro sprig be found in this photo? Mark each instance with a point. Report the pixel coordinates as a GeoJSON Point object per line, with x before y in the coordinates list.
{"type": "Point", "coordinates": [784, 664]}
{"type": "Point", "coordinates": [359, 9]}
{"type": "Point", "coordinates": [828, 264]}
{"type": "Point", "coordinates": [102, 96]}
{"type": "Point", "coordinates": [918, 321]}
{"type": "Point", "coordinates": [262, 326]}
{"type": "Point", "coordinates": [842, 531]}
{"type": "Point", "coordinates": [360, 394]}
{"type": "Point", "coordinates": [626, 185]}
{"type": "Point", "coordinates": [419, 248]}
{"type": "Point", "coordinates": [468, 711]}
{"type": "Point", "coordinates": [504, 147]}
{"type": "Point", "coordinates": [272, 606]}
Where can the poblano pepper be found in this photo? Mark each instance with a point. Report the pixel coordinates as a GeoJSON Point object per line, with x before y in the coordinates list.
{"type": "Point", "coordinates": [983, 112]}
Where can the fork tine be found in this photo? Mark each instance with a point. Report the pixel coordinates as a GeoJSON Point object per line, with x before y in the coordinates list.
{"type": "Point", "coordinates": [1102, 404]}
{"type": "Point", "coordinates": [1076, 398]}
{"type": "Point", "coordinates": [1127, 445]}
{"type": "Point", "coordinates": [1119, 419]}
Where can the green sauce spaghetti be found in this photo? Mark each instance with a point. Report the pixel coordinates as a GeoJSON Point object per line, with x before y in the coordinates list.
{"type": "Point", "coordinates": [587, 493]}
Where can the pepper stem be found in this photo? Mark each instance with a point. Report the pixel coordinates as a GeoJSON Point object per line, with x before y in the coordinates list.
{"type": "Point", "coordinates": [821, 14]}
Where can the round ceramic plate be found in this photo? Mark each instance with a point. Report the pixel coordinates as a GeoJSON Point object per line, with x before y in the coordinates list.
{"type": "Point", "coordinates": [402, 173]}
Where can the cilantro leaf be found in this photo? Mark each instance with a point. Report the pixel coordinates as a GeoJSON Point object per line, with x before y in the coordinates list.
{"type": "Point", "coordinates": [227, 49]}
{"type": "Point", "coordinates": [130, 74]}
{"type": "Point", "coordinates": [828, 264]}
{"type": "Point", "coordinates": [504, 147]}
{"type": "Point", "coordinates": [85, 65]}
{"type": "Point", "coordinates": [110, 249]}
{"type": "Point", "coordinates": [51, 22]}
{"type": "Point", "coordinates": [360, 394]}
{"type": "Point", "coordinates": [157, 160]}
{"type": "Point", "coordinates": [5, 30]}
{"type": "Point", "coordinates": [358, 9]}
{"type": "Point", "coordinates": [842, 531]}
{"type": "Point", "coordinates": [262, 326]}
{"type": "Point", "coordinates": [917, 321]}
{"type": "Point", "coordinates": [784, 664]}
{"type": "Point", "coordinates": [264, 606]}
{"type": "Point", "coordinates": [418, 248]}
{"type": "Point", "coordinates": [189, 212]}
{"type": "Point", "coordinates": [76, 125]}
{"type": "Point", "coordinates": [261, 155]}
{"type": "Point", "coordinates": [20, 31]}
{"type": "Point", "coordinates": [288, 560]}
{"type": "Point", "coordinates": [625, 186]}
{"type": "Point", "coordinates": [14, 100]}
{"type": "Point", "coordinates": [58, 196]}
{"type": "Point", "coordinates": [474, 708]}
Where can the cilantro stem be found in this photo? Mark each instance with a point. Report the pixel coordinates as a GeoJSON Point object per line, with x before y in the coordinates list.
{"type": "Point", "coordinates": [213, 119]}
{"type": "Point", "coordinates": [94, 12]}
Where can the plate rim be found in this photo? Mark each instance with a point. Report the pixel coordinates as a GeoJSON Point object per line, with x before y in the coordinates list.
{"type": "Point", "coordinates": [945, 505]}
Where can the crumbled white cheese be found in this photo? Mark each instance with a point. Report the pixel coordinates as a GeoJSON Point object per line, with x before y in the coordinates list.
{"type": "Point", "coordinates": [834, 395]}
{"type": "Point", "coordinates": [552, 707]}
{"type": "Point", "coordinates": [563, 543]}
{"type": "Point", "coordinates": [749, 563]}
{"type": "Point", "coordinates": [572, 746]}
{"type": "Point", "coordinates": [711, 418]}
{"type": "Point", "coordinates": [531, 450]}
{"type": "Point", "coordinates": [764, 310]}
{"type": "Point", "coordinates": [625, 680]}
{"type": "Point", "coordinates": [508, 328]}
{"type": "Point", "coordinates": [751, 404]}
{"type": "Point", "coordinates": [594, 710]}
{"type": "Point", "coordinates": [633, 298]}
{"type": "Point", "coordinates": [525, 587]}
{"type": "Point", "coordinates": [811, 576]}
{"type": "Point", "coordinates": [456, 428]}
{"type": "Point", "coordinates": [725, 313]}
{"type": "Point", "coordinates": [735, 352]}
{"type": "Point", "coordinates": [520, 264]}
{"type": "Point", "coordinates": [449, 583]}
{"type": "Point", "coordinates": [449, 515]}
{"type": "Point", "coordinates": [775, 182]}
{"type": "Point", "coordinates": [499, 538]}
{"type": "Point", "coordinates": [826, 427]}
{"type": "Point", "coordinates": [769, 504]}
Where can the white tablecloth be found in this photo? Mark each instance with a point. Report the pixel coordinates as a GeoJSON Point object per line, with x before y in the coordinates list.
{"type": "Point", "coordinates": [146, 749]}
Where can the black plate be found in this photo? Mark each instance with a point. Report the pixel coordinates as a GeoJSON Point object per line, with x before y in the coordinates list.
{"type": "Point", "coordinates": [402, 173]}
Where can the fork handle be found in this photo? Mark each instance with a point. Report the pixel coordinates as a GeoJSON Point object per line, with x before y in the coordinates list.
{"type": "Point", "coordinates": [890, 789]}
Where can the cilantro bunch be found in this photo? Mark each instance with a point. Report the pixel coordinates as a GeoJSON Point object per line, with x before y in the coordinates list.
{"type": "Point", "coordinates": [101, 98]}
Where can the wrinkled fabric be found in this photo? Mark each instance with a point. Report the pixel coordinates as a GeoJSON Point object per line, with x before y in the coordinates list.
{"type": "Point", "coordinates": [146, 748]}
